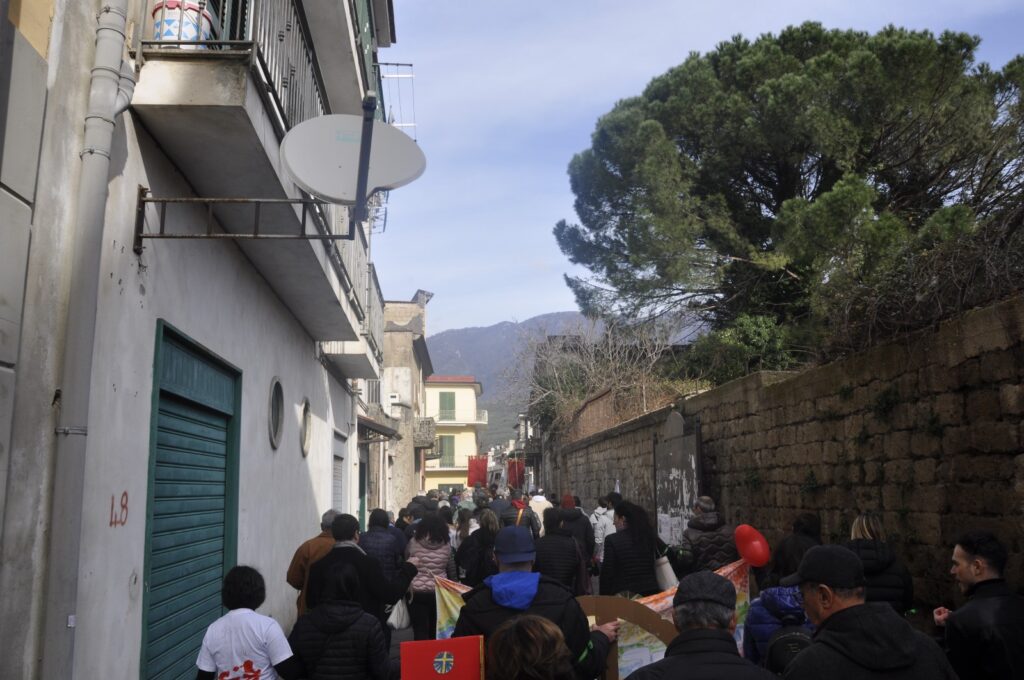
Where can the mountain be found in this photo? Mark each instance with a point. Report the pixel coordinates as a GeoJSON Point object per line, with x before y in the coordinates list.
{"type": "Point", "coordinates": [488, 353]}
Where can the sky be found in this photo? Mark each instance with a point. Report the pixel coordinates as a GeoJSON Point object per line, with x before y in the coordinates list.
{"type": "Point", "coordinates": [506, 91]}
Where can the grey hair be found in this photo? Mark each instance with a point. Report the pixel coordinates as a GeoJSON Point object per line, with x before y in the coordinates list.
{"type": "Point", "coordinates": [327, 519]}
{"type": "Point", "coordinates": [702, 614]}
{"type": "Point", "coordinates": [705, 504]}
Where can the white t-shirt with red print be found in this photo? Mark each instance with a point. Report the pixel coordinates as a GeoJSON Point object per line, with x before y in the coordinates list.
{"type": "Point", "coordinates": [243, 645]}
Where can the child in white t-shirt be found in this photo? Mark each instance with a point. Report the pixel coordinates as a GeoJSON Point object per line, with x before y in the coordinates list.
{"type": "Point", "coordinates": [244, 645]}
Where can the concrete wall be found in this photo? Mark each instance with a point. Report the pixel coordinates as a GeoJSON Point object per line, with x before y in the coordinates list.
{"type": "Point", "coordinates": [926, 430]}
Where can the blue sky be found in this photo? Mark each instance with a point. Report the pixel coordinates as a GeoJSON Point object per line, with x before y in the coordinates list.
{"type": "Point", "coordinates": [506, 91]}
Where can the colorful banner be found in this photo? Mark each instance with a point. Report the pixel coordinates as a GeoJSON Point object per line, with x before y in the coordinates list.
{"type": "Point", "coordinates": [477, 471]}
{"type": "Point", "coordinates": [516, 476]}
{"type": "Point", "coordinates": [458, 659]}
{"type": "Point", "coordinates": [449, 602]}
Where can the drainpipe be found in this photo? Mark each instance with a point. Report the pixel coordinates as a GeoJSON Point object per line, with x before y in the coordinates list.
{"type": "Point", "coordinates": [110, 88]}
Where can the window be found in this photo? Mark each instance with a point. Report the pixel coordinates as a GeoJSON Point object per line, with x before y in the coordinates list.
{"type": "Point", "coordinates": [276, 412]}
{"type": "Point", "coordinates": [446, 407]}
{"type": "Point", "coordinates": [305, 433]}
{"type": "Point", "coordinates": [446, 447]}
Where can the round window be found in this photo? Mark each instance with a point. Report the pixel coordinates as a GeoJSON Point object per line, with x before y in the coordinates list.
{"type": "Point", "coordinates": [305, 434]}
{"type": "Point", "coordinates": [276, 419]}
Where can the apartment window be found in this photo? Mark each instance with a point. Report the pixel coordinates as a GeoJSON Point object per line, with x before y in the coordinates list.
{"type": "Point", "coordinates": [446, 409]}
{"type": "Point", "coordinates": [446, 447]}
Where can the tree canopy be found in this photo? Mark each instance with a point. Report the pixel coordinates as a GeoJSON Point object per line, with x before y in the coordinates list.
{"type": "Point", "coordinates": [766, 177]}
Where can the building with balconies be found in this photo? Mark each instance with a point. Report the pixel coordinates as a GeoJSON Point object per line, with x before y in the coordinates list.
{"type": "Point", "coordinates": [452, 402]}
{"type": "Point", "coordinates": [194, 336]}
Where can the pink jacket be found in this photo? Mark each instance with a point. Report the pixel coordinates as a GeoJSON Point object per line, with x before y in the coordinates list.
{"type": "Point", "coordinates": [436, 559]}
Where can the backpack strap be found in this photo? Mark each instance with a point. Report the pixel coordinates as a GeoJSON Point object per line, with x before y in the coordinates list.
{"type": "Point", "coordinates": [519, 515]}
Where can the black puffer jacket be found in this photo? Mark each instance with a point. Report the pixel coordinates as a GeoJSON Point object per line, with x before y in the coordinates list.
{"type": "Point", "coordinates": [528, 519]}
{"type": "Point", "coordinates": [869, 641]}
{"type": "Point", "coordinates": [557, 558]}
{"type": "Point", "coordinates": [888, 579]}
{"type": "Point", "coordinates": [581, 529]}
{"type": "Point", "coordinates": [385, 546]}
{"type": "Point", "coordinates": [475, 557]}
{"type": "Point", "coordinates": [702, 655]}
{"type": "Point", "coordinates": [708, 543]}
{"type": "Point", "coordinates": [339, 641]}
{"type": "Point", "coordinates": [627, 567]}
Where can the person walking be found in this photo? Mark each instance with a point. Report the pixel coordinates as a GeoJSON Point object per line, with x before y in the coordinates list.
{"type": "Point", "coordinates": [338, 640]}
{"type": "Point", "coordinates": [856, 640]}
{"type": "Point", "coordinates": [519, 514]}
{"type": "Point", "coordinates": [603, 521]}
{"type": "Point", "coordinates": [703, 610]}
{"type": "Point", "coordinates": [308, 553]}
{"type": "Point", "coordinates": [708, 542]}
{"type": "Point", "coordinates": [558, 554]}
{"type": "Point", "coordinates": [785, 559]}
{"type": "Point", "coordinates": [475, 555]}
{"type": "Point", "coordinates": [431, 548]}
{"type": "Point", "coordinates": [984, 639]}
{"type": "Point", "coordinates": [576, 523]}
{"type": "Point", "coordinates": [887, 578]}
{"type": "Point", "coordinates": [380, 542]}
{"type": "Point", "coordinates": [528, 648]}
{"type": "Point", "coordinates": [516, 589]}
{"type": "Point", "coordinates": [538, 504]}
{"type": "Point", "coordinates": [629, 554]}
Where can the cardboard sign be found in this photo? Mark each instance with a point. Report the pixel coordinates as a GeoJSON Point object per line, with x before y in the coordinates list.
{"type": "Point", "coordinates": [455, 659]}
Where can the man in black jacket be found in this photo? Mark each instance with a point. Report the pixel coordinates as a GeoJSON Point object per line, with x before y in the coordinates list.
{"type": "Point", "coordinates": [708, 542]}
{"type": "Point", "coordinates": [854, 640]}
{"type": "Point", "coordinates": [985, 637]}
{"type": "Point", "coordinates": [519, 514]}
{"type": "Point", "coordinates": [515, 590]}
{"type": "Point", "coordinates": [375, 590]}
{"type": "Point", "coordinates": [703, 610]}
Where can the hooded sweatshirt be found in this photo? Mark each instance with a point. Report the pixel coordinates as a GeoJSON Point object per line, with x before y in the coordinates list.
{"type": "Point", "coordinates": [509, 594]}
{"type": "Point", "coordinates": [339, 641]}
{"type": "Point", "coordinates": [773, 609]}
{"type": "Point", "coordinates": [888, 579]}
{"type": "Point", "coordinates": [870, 641]}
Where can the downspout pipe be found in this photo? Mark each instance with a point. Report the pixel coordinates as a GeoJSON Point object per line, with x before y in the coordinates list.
{"type": "Point", "coordinates": [110, 88]}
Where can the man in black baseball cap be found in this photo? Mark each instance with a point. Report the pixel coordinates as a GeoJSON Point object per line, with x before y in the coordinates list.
{"type": "Point", "coordinates": [855, 640]}
{"type": "Point", "coordinates": [703, 610]}
{"type": "Point", "coordinates": [516, 589]}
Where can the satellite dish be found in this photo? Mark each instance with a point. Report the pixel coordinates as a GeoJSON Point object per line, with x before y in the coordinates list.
{"type": "Point", "coordinates": [322, 156]}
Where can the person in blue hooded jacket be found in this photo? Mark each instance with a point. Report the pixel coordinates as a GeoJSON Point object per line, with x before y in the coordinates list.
{"type": "Point", "coordinates": [774, 608]}
{"type": "Point", "coordinates": [517, 590]}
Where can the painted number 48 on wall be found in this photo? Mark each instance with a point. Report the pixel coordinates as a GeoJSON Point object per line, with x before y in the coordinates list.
{"type": "Point", "coordinates": [119, 515]}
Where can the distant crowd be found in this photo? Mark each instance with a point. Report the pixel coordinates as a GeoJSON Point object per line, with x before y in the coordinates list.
{"type": "Point", "coordinates": [834, 612]}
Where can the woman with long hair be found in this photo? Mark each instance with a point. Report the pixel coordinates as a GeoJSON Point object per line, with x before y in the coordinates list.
{"type": "Point", "coordinates": [528, 648]}
{"type": "Point", "coordinates": [629, 554]}
{"type": "Point", "coordinates": [464, 526]}
{"type": "Point", "coordinates": [431, 545]}
{"type": "Point", "coordinates": [887, 578]}
{"type": "Point", "coordinates": [475, 556]}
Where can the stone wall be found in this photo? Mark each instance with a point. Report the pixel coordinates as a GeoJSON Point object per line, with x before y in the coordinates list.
{"type": "Point", "coordinates": [926, 430]}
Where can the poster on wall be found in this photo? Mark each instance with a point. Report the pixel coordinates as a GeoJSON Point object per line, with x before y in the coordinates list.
{"type": "Point", "coordinates": [677, 476]}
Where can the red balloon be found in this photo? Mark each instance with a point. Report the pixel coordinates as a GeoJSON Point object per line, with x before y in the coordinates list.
{"type": "Point", "coordinates": [752, 546]}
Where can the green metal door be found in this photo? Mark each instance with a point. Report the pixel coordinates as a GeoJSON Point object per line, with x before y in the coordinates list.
{"type": "Point", "coordinates": [192, 507]}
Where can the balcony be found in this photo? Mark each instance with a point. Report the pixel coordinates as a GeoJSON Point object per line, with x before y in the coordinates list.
{"type": "Point", "coordinates": [453, 417]}
{"type": "Point", "coordinates": [362, 358]}
{"type": "Point", "coordinates": [218, 108]}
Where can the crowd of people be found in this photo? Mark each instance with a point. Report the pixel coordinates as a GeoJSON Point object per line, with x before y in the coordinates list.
{"type": "Point", "coordinates": [834, 611]}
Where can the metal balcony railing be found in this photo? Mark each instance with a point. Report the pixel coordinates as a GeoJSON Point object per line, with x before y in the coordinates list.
{"type": "Point", "coordinates": [373, 324]}
{"type": "Point", "coordinates": [373, 391]}
{"type": "Point", "coordinates": [447, 414]}
{"type": "Point", "coordinates": [273, 32]}
{"type": "Point", "coordinates": [481, 416]}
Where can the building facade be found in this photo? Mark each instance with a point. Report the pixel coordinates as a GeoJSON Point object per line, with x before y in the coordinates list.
{"type": "Point", "coordinates": [406, 368]}
{"type": "Point", "coordinates": [171, 407]}
{"type": "Point", "coordinates": [452, 403]}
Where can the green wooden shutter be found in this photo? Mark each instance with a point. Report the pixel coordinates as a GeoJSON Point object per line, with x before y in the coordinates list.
{"type": "Point", "coordinates": [446, 443]}
{"type": "Point", "coordinates": [446, 406]}
{"type": "Point", "coordinates": [192, 507]}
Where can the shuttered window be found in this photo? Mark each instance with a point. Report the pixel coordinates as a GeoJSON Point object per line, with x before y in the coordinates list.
{"type": "Point", "coordinates": [337, 483]}
{"type": "Point", "coordinates": [446, 406]}
{"type": "Point", "coordinates": [446, 447]}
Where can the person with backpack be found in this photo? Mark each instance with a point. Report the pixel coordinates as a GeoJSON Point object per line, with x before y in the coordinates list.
{"type": "Point", "coordinates": [338, 640]}
{"type": "Point", "coordinates": [703, 609]}
{"type": "Point", "coordinates": [475, 555]}
{"type": "Point", "coordinates": [777, 628]}
{"type": "Point", "coordinates": [519, 514]}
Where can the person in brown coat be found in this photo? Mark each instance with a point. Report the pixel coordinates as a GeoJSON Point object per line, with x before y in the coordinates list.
{"type": "Point", "coordinates": [308, 553]}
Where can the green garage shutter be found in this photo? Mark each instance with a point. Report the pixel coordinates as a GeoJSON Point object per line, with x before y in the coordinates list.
{"type": "Point", "coordinates": [191, 512]}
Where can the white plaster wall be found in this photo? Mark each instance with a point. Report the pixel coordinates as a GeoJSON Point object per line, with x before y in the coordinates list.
{"type": "Point", "coordinates": [210, 292]}
{"type": "Point", "coordinates": [465, 401]}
